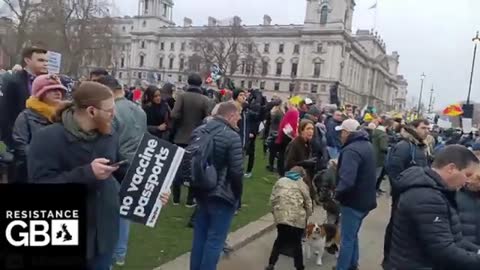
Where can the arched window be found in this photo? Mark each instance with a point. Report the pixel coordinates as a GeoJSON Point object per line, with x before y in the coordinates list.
{"type": "Point", "coordinates": [324, 14]}
{"type": "Point", "coordinates": [141, 60]}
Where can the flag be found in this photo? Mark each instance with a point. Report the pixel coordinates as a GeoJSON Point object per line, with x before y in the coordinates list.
{"type": "Point", "coordinates": [374, 6]}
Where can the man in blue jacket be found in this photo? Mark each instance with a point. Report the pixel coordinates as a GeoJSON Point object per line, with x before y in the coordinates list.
{"type": "Point", "coordinates": [333, 138]}
{"type": "Point", "coordinates": [356, 189]}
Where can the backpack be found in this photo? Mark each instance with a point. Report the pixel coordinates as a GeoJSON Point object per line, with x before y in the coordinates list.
{"type": "Point", "coordinates": [412, 155]}
{"type": "Point", "coordinates": [197, 165]}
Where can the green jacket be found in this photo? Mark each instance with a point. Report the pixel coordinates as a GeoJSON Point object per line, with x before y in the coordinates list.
{"type": "Point", "coordinates": [380, 145]}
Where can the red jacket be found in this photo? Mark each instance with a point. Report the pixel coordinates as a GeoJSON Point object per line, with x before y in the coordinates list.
{"type": "Point", "coordinates": [291, 117]}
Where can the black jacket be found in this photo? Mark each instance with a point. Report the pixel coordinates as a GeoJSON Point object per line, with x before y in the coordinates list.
{"type": "Point", "coordinates": [410, 151]}
{"type": "Point", "coordinates": [56, 156]}
{"type": "Point", "coordinates": [15, 94]}
{"type": "Point", "coordinates": [426, 230]}
{"type": "Point", "coordinates": [356, 179]}
{"type": "Point", "coordinates": [468, 203]}
{"type": "Point", "coordinates": [228, 161]}
{"type": "Point", "coordinates": [28, 123]}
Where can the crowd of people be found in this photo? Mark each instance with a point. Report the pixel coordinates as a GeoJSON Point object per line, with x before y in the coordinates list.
{"type": "Point", "coordinates": [328, 156]}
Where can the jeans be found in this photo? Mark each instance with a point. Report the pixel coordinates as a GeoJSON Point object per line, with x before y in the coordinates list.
{"type": "Point", "coordinates": [288, 237]}
{"type": "Point", "coordinates": [122, 244]}
{"type": "Point", "coordinates": [212, 223]}
{"type": "Point", "coordinates": [350, 222]}
{"type": "Point", "coordinates": [333, 152]}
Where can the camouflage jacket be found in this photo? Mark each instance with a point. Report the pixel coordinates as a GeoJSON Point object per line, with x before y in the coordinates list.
{"type": "Point", "coordinates": [291, 202]}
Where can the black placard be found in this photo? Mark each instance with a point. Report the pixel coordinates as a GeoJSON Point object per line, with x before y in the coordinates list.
{"type": "Point", "coordinates": [60, 209]}
{"type": "Point", "coordinates": [152, 172]}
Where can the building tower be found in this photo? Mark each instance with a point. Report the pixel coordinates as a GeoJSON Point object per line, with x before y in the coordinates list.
{"type": "Point", "coordinates": [157, 13]}
{"type": "Point", "coordinates": [332, 14]}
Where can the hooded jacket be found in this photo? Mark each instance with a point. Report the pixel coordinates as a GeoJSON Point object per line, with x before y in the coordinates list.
{"type": "Point", "coordinates": [410, 151]}
{"type": "Point", "coordinates": [356, 179]}
{"type": "Point", "coordinates": [291, 202]}
{"type": "Point", "coordinates": [426, 227]}
{"type": "Point", "coordinates": [380, 145]}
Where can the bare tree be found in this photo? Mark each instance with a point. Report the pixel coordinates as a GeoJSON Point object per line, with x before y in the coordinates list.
{"type": "Point", "coordinates": [228, 47]}
{"type": "Point", "coordinates": [22, 14]}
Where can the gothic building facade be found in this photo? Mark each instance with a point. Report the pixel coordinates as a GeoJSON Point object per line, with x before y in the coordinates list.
{"type": "Point", "coordinates": [304, 59]}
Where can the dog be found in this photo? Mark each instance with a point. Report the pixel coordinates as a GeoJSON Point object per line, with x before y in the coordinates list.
{"type": "Point", "coordinates": [319, 238]}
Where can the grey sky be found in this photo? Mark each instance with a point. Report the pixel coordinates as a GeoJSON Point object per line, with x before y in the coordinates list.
{"type": "Point", "coordinates": [431, 36]}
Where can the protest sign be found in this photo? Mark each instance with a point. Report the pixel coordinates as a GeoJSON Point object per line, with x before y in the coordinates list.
{"type": "Point", "coordinates": [54, 62]}
{"type": "Point", "coordinates": [151, 173]}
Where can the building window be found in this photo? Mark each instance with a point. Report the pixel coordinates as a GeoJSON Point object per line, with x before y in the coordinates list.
{"type": "Point", "coordinates": [279, 69]}
{"type": "Point", "coordinates": [324, 15]}
{"type": "Point", "coordinates": [165, 10]}
{"type": "Point", "coordinates": [180, 79]}
{"type": "Point", "coordinates": [250, 84]}
{"type": "Point", "coordinates": [139, 75]}
{"type": "Point", "coordinates": [146, 6]}
{"type": "Point", "coordinates": [134, 73]}
{"type": "Point", "coordinates": [305, 87]}
{"type": "Point", "coordinates": [323, 88]}
{"type": "Point", "coordinates": [162, 46]}
{"type": "Point", "coordinates": [266, 48]}
{"type": "Point", "coordinates": [142, 60]}
{"type": "Point", "coordinates": [160, 63]}
{"type": "Point", "coordinates": [182, 63]}
{"type": "Point", "coordinates": [276, 87]}
{"type": "Point", "coordinates": [291, 87]}
{"type": "Point", "coordinates": [143, 44]}
{"type": "Point", "coordinates": [120, 75]}
{"type": "Point", "coordinates": [296, 48]}
{"type": "Point", "coordinates": [182, 47]}
{"type": "Point", "coordinates": [316, 70]}
{"type": "Point", "coordinates": [144, 24]}
{"type": "Point", "coordinates": [172, 46]}
{"type": "Point", "coordinates": [242, 84]}
{"type": "Point", "coordinates": [264, 68]}
{"type": "Point", "coordinates": [170, 64]}
{"type": "Point", "coordinates": [319, 48]}
{"type": "Point", "coordinates": [281, 48]}
{"type": "Point", "coordinates": [262, 85]}
{"type": "Point", "coordinates": [124, 29]}
{"type": "Point", "coordinates": [131, 27]}
{"type": "Point", "coordinates": [294, 69]}
{"type": "Point", "coordinates": [122, 62]}
{"type": "Point", "coordinates": [313, 88]}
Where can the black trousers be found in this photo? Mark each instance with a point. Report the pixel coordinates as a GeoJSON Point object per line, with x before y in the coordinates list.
{"type": "Point", "coordinates": [281, 156]}
{"type": "Point", "coordinates": [288, 237]}
{"type": "Point", "coordinates": [250, 152]}
{"type": "Point", "coordinates": [380, 178]}
{"type": "Point", "coordinates": [272, 155]}
{"type": "Point", "coordinates": [177, 186]}
{"type": "Point", "coordinates": [389, 231]}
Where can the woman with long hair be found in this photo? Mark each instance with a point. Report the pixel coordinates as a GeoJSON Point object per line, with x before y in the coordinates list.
{"type": "Point", "coordinates": [300, 148]}
{"type": "Point", "coordinates": [158, 113]}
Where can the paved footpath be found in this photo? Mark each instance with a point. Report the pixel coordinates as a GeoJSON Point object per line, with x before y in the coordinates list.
{"type": "Point", "coordinates": [254, 256]}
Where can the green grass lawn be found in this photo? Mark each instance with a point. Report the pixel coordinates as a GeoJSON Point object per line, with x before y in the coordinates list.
{"type": "Point", "coordinates": [149, 248]}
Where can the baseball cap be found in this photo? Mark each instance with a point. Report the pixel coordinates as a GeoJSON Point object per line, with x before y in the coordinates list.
{"type": "Point", "coordinates": [350, 125]}
{"type": "Point", "coordinates": [308, 101]}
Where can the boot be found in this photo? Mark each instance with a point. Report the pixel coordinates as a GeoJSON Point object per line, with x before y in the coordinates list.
{"type": "Point", "coordinates": [270, 267]}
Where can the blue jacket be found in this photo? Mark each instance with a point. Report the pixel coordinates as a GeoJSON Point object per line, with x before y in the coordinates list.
{"type": "Point", "coordinates": [333, 136]}
{"type": "Point", "coordinates": [356, 179]}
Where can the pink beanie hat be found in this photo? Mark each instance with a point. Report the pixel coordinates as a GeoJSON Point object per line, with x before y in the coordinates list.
{"type": "Point", "coordinates": [45, 83]}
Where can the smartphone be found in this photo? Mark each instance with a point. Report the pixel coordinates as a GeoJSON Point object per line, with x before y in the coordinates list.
{"type": "Point", "coordinates": [118, 164]}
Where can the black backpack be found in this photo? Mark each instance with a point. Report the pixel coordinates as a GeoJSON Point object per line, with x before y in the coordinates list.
{"type": "Point", "coordinates": [198, 169]}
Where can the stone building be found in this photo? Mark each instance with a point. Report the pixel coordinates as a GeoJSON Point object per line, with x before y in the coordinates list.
{"type": "Point", "coordinates": [304, 59]}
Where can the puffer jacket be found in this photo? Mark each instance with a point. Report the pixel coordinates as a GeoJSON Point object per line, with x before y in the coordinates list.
{"type": "Point", "coordinates": [410, 151]}
{"type": "Point", "coordinates": [291, 202]}
{"type": "Point", "coordinates": [228, 160]}
{"type": "Point", "coordinates": [426, 228]}
{"type": "Point", "coordinates": [468, 203]}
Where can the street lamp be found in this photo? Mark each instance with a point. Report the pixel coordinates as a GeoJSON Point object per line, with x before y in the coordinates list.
{"type": "Point", "coordinates": [476, 41]}
{"type": "Point", "coordinates": [422, 77]}
{"type": "Point", "coordinates": [430, 103]}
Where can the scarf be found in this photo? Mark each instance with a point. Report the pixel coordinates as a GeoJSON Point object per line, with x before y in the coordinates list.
{"type": "Point", "coordinates": [73, 127]}
{"type": "Point", "coordinates": [293, 175]}
{"type": "Point", "coordinates": [42, 108]}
